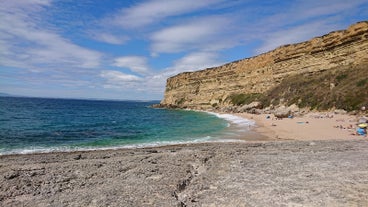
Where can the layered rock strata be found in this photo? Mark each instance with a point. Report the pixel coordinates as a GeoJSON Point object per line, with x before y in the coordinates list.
{"type": "Point", "coordinates": [213, 86]}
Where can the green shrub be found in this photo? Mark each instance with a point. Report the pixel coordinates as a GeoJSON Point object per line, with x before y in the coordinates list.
{"type": "Point", "coordinates": [314, 91]}
{"type": "Point", "coordinates": [341, 77]}
{"type": "Point", "coordinates": [362, 83]}
{"type": "Point", "coordinates": [242, 99]}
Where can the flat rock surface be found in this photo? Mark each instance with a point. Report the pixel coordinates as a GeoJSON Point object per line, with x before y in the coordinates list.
{"type": "Point", "coordinates": [287, 173]}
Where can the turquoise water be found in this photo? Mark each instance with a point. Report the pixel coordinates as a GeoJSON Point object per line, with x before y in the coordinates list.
{"type": "Point", "coordinates": [42, 125]}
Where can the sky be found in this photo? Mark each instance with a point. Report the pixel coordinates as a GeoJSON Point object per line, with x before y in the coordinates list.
{"type": "Point", "coordinates": [127, 49]}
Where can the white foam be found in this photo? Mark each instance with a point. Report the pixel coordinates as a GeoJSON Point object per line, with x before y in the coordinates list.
{"type": "Point", "coordinates": [33, 150]}
{"type": "Point", "coordinates": [207, 139]}
{"type": "Point", "coordinates": [168, 143]}
{"type": "Point", "coordinates": [235, 119]}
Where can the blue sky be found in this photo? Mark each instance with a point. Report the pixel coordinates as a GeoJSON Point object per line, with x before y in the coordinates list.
{"type": "Point", "coordinates": [127, 49]}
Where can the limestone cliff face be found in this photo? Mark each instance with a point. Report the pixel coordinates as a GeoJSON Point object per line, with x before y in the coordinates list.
{"type": "Point", "coordinates": [258, 74]}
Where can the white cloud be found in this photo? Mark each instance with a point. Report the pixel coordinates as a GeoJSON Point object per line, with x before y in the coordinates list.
{"type": "Point", "coordinates": [110, 38]}
{"type": "Point", "coordinates": [196, 61]}
{"type": "Point", "coordinates": [155, 82]}
{"type": "Point", "coordinates": [191, 62]}
{"type": "Point", "coordinates": [34, 4]}
{"type": "Point", "coordinates": [205, 33]}
{"type": "Point", "coordinates": [27, 43]}
{"type": "Point", "coordinates": [136, 64]}
{"type": "Point", "coordinates": [300, 21]}
{"type": "Point", "coordinates": [294, 35]}
{"type": "Point", "coordinates": [123, 82]}
{"type": "Point", "coordinates": [117, 79]}
{"type": "Point", "coordinates": [153, 11]}
{"type": "Point", "coordinates": [316, 8]}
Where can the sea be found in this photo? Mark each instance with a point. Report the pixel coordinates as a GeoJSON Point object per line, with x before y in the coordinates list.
{"type": "Point", "coordinates": [36, 125]}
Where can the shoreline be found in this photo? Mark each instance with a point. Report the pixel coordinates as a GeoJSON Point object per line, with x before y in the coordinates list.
{"type": "Point", "coordinates": [273, 171]}
{"type": "Point", "coordinates": [235, 127]}
{"type": "Point", "coordinates": [309, 127]}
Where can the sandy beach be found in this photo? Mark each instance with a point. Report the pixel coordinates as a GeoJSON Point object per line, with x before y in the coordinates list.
{"type": "Point", "coordinates": [311, 126]}
{"type": "Point", "coordinates": [306, 164]}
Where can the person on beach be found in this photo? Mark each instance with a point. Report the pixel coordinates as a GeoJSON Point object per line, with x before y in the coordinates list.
{"type": "Point", "coordinates": [361, 130]}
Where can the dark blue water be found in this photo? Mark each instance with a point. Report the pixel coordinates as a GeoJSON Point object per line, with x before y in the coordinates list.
{"type": "Point", "coordinates": [38, 125]}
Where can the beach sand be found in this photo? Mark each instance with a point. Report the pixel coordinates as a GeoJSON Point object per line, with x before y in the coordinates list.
{"type": "Point", "coordinates": [321, 166]}
{"type": "Point", "coordinates": [311, 126]}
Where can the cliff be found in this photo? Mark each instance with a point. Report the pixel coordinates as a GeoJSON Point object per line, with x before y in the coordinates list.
{"type": "Point", "coordinates": [345, 50]}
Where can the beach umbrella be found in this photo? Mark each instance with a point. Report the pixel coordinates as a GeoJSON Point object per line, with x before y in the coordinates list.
{"type": "Point", "coordinates": [363, 125]}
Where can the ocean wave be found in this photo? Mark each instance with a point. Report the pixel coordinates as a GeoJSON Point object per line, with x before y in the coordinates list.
{"type": "Point", "coordinates": [234, 119]}
{"type": "Point", "coordinates": [35, 150]}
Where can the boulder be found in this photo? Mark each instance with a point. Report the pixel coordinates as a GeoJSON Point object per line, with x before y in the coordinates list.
{"type": "Point", "coordinates": [340, 111]}
{"type": "Point", "coordinates": [282, 112]}
{"type": "Point", "coordinates": [293, 108]}
{"type": "Point", "coordinates": [257, 111]}
{"type": "Point", "coordinates": [253, 105]}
